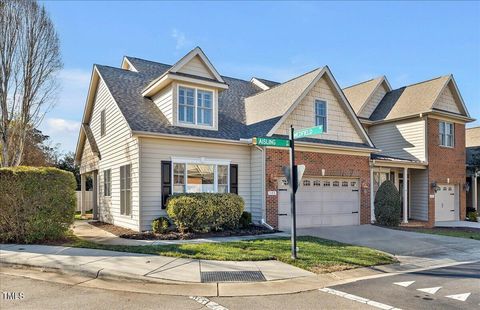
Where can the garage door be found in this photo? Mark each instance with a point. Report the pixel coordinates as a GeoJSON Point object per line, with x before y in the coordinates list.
{"type": "Point", "coordinates": [321, 202]}
{"type": "Point", "coordinates": [445, 203]}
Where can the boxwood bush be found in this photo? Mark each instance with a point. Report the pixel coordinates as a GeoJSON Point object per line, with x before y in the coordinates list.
{"type": "Point", "coordinates": [387, 205]}
{"type": "Point", "coordinates": [36, 204]}
{"type": "Point", "coordinates": [204, 212]}
{"type": "Point", "coordinates": [160, 225]}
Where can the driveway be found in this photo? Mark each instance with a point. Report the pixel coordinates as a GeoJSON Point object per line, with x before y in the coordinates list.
{"type": "Point", "coordinates": [401, 243]}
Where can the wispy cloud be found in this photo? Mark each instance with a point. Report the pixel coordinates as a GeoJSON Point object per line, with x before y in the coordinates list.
{"type": "Point", "coordinates": [62, 125]}
{"type": "Point", "coordinates": [181, 40]}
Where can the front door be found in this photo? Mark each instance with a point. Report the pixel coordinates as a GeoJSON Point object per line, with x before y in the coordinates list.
{"type": "Point", "coordinates": [445, 203]}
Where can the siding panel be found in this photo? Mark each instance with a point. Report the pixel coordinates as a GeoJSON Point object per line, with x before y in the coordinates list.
{"type": "Point", "coordinates": [164, 101]}
{"type": "Point", "coordinates": [196, 67]}
{"type": "Point", "coordinates": [446, 101]}
{"type": "Point", "coordinates": [419, 194]}
{"type": "Point", "coordinates": [153, 151]}
{"type": "Point", "coordinates": [400, 139]}
{"type": "Point", "coordinates": [373, 102]}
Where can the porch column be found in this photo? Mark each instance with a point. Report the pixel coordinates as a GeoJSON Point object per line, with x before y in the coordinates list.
{"type": "Point", "coordinates": [372, 197]}
{"type": "Point", "coordinates": [474, 191]}
{"type": "Point", "coordinates": [95, 194]}
{"type": "Point", "coordinates": [83, 185]}
{"type": "Point", "coordinates": [405, 195]}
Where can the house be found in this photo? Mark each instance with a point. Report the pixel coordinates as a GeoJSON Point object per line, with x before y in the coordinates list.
{"type": "Point", "coordinates": [420, 130]}
{"type": "Point", "coordinates": [472, 143]}
{"type": "Point", "coordinates": [150, 130]}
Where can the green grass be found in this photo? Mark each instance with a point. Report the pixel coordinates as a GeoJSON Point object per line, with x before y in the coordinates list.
{"type": "Point", "coordinates": [451, 232]}
{"type": "Point", "coordinates": [78, 214]}
{"type": "Point", "coordinates": [316, 255]}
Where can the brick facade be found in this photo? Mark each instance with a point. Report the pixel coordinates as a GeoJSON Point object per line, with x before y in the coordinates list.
{"type": "Point", "coordinates": [334, 165]}
{"type": "Point", "coordinates": [446, 163]}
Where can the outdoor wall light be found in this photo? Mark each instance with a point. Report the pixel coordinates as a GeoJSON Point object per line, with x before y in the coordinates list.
{"type": "Point", "coordinates": [435, 187]}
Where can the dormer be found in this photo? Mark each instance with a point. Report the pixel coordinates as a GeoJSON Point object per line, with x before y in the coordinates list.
{"type": "Point", "coordinates": [187, 93]}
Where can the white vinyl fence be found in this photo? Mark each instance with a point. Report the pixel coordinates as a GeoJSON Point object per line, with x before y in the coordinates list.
{"type": "Point", "coordinates": [88, 200]}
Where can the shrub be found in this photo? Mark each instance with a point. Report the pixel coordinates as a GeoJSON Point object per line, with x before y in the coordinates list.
{"type": "Point", "coordinates": [472, 216]}
{"type": "Point", "coordinates": [245, 219]}
{"type": "Point", "coordinates": [387, 205]}
{"type": "Point", "coordinates": [204, 212]}
{"type": "Point", "coordinates": [160, 225]}
{"type": "Point", "coordinates": [36, 204]}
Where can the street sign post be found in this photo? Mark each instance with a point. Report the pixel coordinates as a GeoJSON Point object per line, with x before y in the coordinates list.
{"type": "Point", "coordinates": [271, 142]}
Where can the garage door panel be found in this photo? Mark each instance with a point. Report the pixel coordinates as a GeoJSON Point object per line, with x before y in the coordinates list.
{"type": "Point", "coordinates": [319, 203]}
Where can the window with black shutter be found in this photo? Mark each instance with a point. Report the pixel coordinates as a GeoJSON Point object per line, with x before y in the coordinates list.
{"type": "Point", "coordinates": [166, 173]}
{"type": "Point", "coordinates": [234, 179]}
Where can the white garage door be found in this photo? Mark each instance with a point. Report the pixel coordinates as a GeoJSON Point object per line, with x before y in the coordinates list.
{"type": "Point", "coordinates": [445, 203]}
{"type": "Point", "coordinates": [321, 202]}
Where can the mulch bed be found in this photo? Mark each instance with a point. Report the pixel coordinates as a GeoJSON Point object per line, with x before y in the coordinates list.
{"type": "Point", "coordinates": [126, 233]}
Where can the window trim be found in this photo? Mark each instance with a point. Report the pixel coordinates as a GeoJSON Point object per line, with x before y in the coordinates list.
{"type": "Point", "coordinates": [195, 116]}
{"type": "Point", "coordinates": [452, 134]}
{"type": "Point", "coordinates": [325, 130]}
{"type": "Point", "coordinates": [107, 184]}
{"type": "Point", "coordinates": [125, 214]}
{"type": "Point", "coordinates": [201, 161]}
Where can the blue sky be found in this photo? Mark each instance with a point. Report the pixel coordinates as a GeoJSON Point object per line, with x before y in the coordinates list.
{"type": "Point", "coordinates": [406, 41]}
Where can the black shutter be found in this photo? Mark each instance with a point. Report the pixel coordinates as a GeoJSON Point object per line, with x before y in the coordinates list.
{"type": "Point", "coordinates": [234, 179]}
{"type": "Point", "coordinates": [166, 182]}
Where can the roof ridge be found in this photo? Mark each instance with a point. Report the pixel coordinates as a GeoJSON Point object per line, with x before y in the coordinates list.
{"type": "Point", "coordinates": [292, 79]}
{"type": "Point", "coordinates": [421, 82]}
{"type": "Point", "coordinates": [259, 78]}
{"type": "Point", "coordinates": [372, 79]}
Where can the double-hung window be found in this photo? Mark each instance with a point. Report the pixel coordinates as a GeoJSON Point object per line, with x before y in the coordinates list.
{"type": "Point", "coordinates": [321, 114]}
{"type": "Point", "coordinates": [200, 178]}
{"type": "Point", "coordinates": [195, 106]}
{"type": "Point", "coordinates": [107, 183]}
{"type": "Point", "coordinates": [446, 134]}
{"type": "Point", "coordinates": [126, 190]}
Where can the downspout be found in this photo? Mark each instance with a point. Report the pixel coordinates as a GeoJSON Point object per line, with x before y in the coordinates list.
{"type": "Point", "coordinates": [372, 198]}
{"type": "Point", "coordinates": [264, 210]}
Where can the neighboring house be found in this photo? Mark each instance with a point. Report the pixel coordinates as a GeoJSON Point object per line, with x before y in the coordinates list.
{"type": "Point", "coordinates": [150, 130]}
{"type": "Point", "coordinates": [472, 143]}
{"type": "Point", "coordinates": [420, 130]}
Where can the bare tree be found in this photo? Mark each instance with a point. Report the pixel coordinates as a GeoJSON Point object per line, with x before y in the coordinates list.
{"type": "Point", "coordinates": [29, 63]}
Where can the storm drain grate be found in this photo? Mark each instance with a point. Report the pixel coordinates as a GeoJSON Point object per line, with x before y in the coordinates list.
{"type": "Point", "coordinates": [232, 276]}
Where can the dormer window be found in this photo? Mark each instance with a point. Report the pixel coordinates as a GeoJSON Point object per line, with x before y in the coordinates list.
{"type": "Point", "coordinates": [195, 106]}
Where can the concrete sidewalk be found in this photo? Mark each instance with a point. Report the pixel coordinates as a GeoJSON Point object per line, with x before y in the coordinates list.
{"type": "Point", "coordinates": [84, 230]}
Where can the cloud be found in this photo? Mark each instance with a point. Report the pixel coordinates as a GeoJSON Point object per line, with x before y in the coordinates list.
{"type": "Point", "coordinates": [62, 125]}
{"type": "Point", "coordinates": [181, 40]}
{"type": "Point", "coordinates": [62, 132]}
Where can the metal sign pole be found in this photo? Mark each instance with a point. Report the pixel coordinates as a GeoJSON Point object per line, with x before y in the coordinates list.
{"type": "Point", "coordinates": [293, 188]}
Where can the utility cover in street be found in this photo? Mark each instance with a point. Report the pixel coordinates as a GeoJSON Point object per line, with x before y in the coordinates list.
{"type": "Point", "coordinates": [308, 132]}
{"type": "Point", "coordinates": [271, 142]}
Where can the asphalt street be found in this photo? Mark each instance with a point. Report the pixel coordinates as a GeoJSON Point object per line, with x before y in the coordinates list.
{"type": "Point", "coordinates": [456, 287]}
{"type": "Point", "coordinates": [45, 295]}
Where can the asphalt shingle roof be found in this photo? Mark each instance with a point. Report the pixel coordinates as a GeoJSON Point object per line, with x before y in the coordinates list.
{"type": "Point", "coordinates": [143, 115]}
{"type": "Point", "coordinates": [358, 94]}
{"type": "Point", "coordinates": [268, 82]}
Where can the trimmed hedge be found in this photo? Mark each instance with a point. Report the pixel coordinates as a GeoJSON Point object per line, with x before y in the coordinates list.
{"type": "Point", "coordinates": [387, 205]}
{"type": "Point", "coordinates": [245, 219]}
{"type": "Point", "coordinates": [160, 225]}
{"type": "Point", "coordinates": [204, 212]}
{"type": "Point", "coordinates": [36, 204]}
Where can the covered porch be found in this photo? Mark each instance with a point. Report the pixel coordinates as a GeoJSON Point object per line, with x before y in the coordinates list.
{"type": "Point", "coordinates": [411, 180]}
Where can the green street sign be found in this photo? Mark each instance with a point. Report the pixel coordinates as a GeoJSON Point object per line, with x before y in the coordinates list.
{"type": "Point", "coordinates": [308, 132]}
{"type": "Point", "coordinates": [271, 142]}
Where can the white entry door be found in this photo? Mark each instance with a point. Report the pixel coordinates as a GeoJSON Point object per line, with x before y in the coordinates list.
{"type": "Point", "coordinates": [445, 203]}
{"type": "Point", "coordinates": [321, 202]}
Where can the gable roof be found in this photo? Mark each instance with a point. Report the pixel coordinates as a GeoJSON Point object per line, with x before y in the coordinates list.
{"type": "Point", "coordinates": [414, 99]}
{"type": "Point", "coordinates": [280, 101]}
{"type": "Point", "coordinates": [263, 83]}
{"type": "Point", "coordinates": [143, 116]}
{"type": "Point", "coordinates": [359, 94]}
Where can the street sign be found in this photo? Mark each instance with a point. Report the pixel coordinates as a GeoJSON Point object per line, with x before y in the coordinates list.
{"type": "Point", "coordinates": [308, 132]}
{"type": "Point", "coordinates": [271, 142]}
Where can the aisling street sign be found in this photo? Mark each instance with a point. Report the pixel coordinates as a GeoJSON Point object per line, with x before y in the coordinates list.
{"type": "Point", "coordinates": [271, 142]}
{"type": "Point", "coordinates": [308, 132]}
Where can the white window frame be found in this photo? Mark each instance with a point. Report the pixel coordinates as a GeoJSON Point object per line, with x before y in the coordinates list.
{"type": "Point", "coordinates": [201, 161]}
{"type": "Point", "coordinates": [195, 106]}
{"type": "Point", "coordinates": [443, 135]}
{"type": "Point", "coordinates": [315, 113]}
{"type": "Point", "coordinates": [107, 184]}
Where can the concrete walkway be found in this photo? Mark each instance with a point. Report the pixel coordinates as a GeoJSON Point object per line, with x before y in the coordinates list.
{"type": "Point", "coordinates": [458, 224]}
{"type": "Point", "coordinates": [84, 230]}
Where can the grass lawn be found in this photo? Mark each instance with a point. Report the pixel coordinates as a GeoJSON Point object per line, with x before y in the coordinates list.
{"type": "Point", "coordinates": [316, 255]}
{"type": "Point", "coordinates": [78, 215]}
{"type": "Point", "coordinates": [460, 232]}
